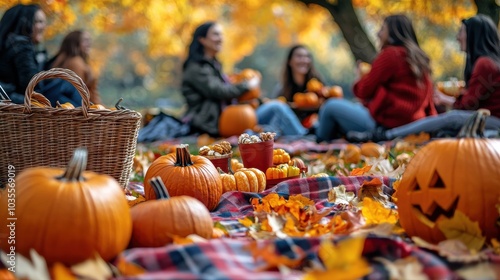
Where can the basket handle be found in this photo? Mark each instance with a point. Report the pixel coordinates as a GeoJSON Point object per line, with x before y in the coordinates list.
{"type": "Point", "coordinates": [61, 73]}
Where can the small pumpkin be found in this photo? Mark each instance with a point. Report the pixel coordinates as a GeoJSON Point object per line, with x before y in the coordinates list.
{"type": "Point", "coordinates": [449, 175]}
{"type": "Point", "coordinates": [156, 222]}
{"type": "Point", "coordinates": [66, 105]}
{"type": "Point", "coordinates": [244, 180]}
{"type": "Point", "coordinates": [39, 100]}
{"type": "Point", "coordinates": [67, 215]}
{"type": "Point", "coordinates": [314, 85]}
{"type": "Point", "coordinates": [280, 156]}
{"type": "Point", "coordinates": [184, 174]}
{"type": "Point", "coordinates": [335, 92]}
{"type": "Point", "coordinates": [236, 165]}
{"type": "Point", "coordinates": [351, 154]}
{"type": "Point", "coordinates": [98, 107]}
{"type": "Point", "coordinates": [298, 162]}
{"type": "Point", "coordinates": [278, 172]}
{"type": "Point", "coordinates": [371, 149]}
{"type": "Point", "coordinates": [237, 118]}
{"type": "Point", "coordinates": [307, 99]}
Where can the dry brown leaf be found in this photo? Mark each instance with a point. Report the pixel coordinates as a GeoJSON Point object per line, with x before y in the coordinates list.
{"type": "Point", "coordinates": [373, 190]}
{"type": "Point", "coordinates": [355, 220]}
{"type": "Point", "coordinates": [479, 271]}
{"type": "Point", "coordinates": [339, 195]}
{"type": "Point", "coordinates": [453, 250]}
{"type": "Point", "coordinates": [95, 268]}
{"type": "Point", "coordinates": [462, 228]}
{"type": "Point", "coordinates": [407, 268]}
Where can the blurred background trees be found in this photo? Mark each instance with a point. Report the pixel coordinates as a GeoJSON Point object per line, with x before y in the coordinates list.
{"type": "Point", "coordinates": [139, 46]}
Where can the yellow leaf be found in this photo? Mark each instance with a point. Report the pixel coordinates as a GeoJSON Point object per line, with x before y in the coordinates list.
{"type": "Point", "coordinates": [462, 228]}
{"type": "Point", "coordinates": [375, 213]}
{"type": "Point", "coordinates": [342, 261]}
{"type": "Point", "coordinates": [247, 222]}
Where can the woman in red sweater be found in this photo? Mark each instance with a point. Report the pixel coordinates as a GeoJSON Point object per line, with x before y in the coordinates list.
{"type": "Point", "coordinates": [478, 37]}
{"type": "Point", "coordinates": [397, 90]}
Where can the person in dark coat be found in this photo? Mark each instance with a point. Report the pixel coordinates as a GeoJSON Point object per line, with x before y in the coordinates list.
{"type": "Point", "coordinates": [22, 55]}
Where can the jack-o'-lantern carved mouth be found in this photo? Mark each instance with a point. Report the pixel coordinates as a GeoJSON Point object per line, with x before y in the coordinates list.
{"type": "Point", "coordinates": [436, 212]}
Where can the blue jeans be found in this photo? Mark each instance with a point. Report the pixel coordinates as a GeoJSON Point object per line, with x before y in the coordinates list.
{"type": "Point", "coordinates": [338, 116]}
{"type": "Point", "coordinates": [448, 123]}
{"type": "Point", "coordinates": [280, 118]}
{"type": "Point", "coordinates": [62, 91]}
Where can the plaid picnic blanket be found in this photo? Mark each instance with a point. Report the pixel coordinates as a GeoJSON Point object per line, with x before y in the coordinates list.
{"type": "Point", "coordinates": [229, 258]}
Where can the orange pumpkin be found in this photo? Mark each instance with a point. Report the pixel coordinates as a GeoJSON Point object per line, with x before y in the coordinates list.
{"type": "Point", "coordinates": [314, 85]}
{"type": "Point", "coordinates": [236, 165]}
{"type": "Point", "coordinates": [39, 100]}
{"type": "Point", "coordinates": [67, 215]}
{"type": "Point", "coordinates": [66, 105]}
{"type": "Point", "coordinates": [351, 154]}
{"type": "Point", "coordinates": [304, 100]}
{"type": "Point", "coordinates": [335, 92]}
{"type": "Point", "coordinates": [447, 175]}
{"type": "Point", "coordinates": [237, 118]}
{"type": "Point", "coordinates": [244, 180]}
{"type": "Point", "coordinates": [245, 75]}
{"type": "Point", "coordinates": [184, 174]}
{"type": "Point", "coordinates": [156, 222]}
{"type": "Point", "coordinates": [280, 156]}
{"type": "Point", "coordinates": [98, 107]}
{"type": "Point", "coordinates": [371, 149]}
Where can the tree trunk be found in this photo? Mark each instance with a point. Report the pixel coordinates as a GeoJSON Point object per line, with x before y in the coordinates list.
{"type": "Point", "coordinates": [345, 16]}
{"type": "Point", "coordinates": [489, 8]}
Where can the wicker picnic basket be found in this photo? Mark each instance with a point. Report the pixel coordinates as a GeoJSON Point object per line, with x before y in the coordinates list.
{"type": "Point", "coordinates": [33, 136]}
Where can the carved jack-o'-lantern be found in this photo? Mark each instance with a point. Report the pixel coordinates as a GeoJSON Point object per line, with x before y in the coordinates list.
{"type": "Point", "coordinates": [448, 175]}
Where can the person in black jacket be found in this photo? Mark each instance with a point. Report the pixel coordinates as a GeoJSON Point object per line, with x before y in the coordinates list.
{"type": "Point", "coordinates": [22, 56]}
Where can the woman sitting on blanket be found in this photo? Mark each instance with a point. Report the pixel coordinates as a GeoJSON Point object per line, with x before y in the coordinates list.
{"type": "Point", "coordinates": [478, 37]}
{"type": "Point", "coordinates": [207, 90]}
{"type": "Point", "coordinates": [397, 90]}
{"type": "Point", "coordinates": [22, 55]}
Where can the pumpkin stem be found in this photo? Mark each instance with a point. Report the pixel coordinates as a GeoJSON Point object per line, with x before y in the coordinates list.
{"type": "Point", "coordinates": [76, 165]}
{"type": "Point", "coordinates": [474, 126]}
{"type": "Point", "coordinates": [182, 155]}
{"type": "Point", "coordinates": [159, 188]}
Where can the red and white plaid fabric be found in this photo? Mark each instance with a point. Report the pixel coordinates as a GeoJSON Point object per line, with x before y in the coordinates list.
{"type": "Point", "coordinates": [228, 258]}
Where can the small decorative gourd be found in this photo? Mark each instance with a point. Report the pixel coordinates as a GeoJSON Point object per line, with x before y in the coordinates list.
{"type": "Point", "coordinates": [244, 180]}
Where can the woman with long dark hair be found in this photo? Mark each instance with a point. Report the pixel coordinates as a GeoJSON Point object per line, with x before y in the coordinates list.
{"type": "Point", "coordinates": [297, 71]}
{"type": "Point", "coordinates": [478, 38]}
{"type": "Point", "coordinates": [21, 34]}
{"type": "Point", "coordinates": [73, 54]}
{"type": "Point", "coordinates": [397, 90]}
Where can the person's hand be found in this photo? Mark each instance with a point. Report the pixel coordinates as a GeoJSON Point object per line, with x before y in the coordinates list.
{"type": "Point", "coordinates": [440, 98]}
{"type": "Point", "coordinates": [253, 82]}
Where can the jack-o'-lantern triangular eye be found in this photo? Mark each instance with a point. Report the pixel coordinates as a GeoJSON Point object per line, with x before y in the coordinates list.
{"type": "Point", "coordinates": [414, 185]}
{"type": "Point", "coordinates": [436, 182]}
